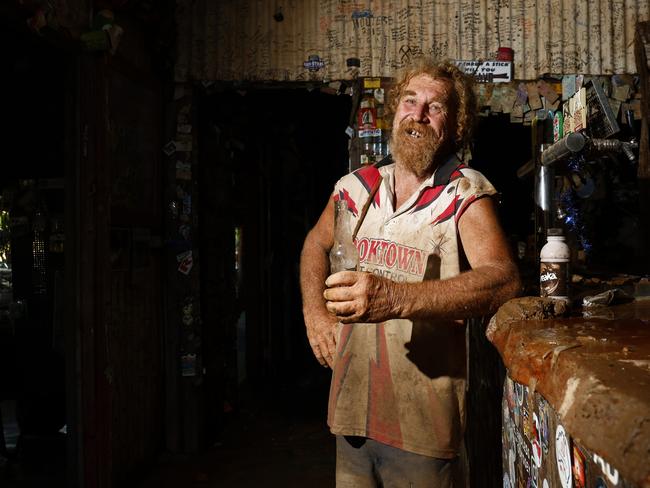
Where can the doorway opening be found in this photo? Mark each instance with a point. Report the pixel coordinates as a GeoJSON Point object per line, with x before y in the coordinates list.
{"type": "Point", "coordinates": [270, 159]}
{"type": "Point", "coordinates": [33, 392]}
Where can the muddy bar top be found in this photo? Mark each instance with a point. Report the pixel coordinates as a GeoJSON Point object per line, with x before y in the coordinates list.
{"type": "Point", "coordinates": [594, 370]}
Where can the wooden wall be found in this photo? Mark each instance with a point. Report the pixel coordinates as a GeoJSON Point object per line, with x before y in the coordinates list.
{"type": "Point", "coordinates": [118, 214]}
{"type": "Point", "coordinates": [246, 40]}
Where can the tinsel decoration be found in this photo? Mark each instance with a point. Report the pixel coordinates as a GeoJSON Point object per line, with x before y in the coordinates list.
{"type": "Point", "coordinates": [570, 203]}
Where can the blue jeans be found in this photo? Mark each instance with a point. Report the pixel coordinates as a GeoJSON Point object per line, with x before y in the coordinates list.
{"type": "Point", "coordinates": [365, 463]}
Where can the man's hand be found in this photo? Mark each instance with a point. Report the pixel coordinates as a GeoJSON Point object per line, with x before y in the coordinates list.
{"type": "Point", "coordinates": [358, 297]}
{"type": "Point", "coordinates": [321, 332]}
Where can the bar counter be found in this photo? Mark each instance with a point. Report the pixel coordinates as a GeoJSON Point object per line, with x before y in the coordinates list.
{"type": "Point", "coordinates": [592, 368]}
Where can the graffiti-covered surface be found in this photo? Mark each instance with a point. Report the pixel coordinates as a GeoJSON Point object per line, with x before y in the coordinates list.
{"type": "Point", "coordinates": [313, 39]}
{"type": "Point", "coordinates": [592, 368]}
{"type": "Point", "coordinates": [538, 452]}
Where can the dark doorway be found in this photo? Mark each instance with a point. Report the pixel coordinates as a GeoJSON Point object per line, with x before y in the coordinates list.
{"type": "Point", "coordinates": [32, 260]}
{"type": "Point", "coordinates": [271, 157]}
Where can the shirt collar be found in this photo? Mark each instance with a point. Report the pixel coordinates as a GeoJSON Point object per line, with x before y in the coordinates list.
{"type": "Point", "coordinates": [441, 175]}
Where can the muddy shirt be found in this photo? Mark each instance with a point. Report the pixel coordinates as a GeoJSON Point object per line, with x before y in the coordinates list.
{"type": "Point", "coordinates": [402, 382]}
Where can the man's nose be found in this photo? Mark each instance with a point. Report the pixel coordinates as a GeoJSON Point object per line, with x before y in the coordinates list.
{"type": "Point", "coordinates": [421, 113]}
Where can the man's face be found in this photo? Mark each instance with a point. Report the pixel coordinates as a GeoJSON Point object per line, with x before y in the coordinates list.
{"type": "Point", "coordinates": [423, 124]}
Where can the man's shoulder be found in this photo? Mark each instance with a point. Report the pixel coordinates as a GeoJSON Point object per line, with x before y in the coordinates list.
{"type": "Point", "coordinates": [367, 176]}
{"type": "Point", "coordinates": [472, 181]}
{"type": "Point", "coordinates": [464, 171]}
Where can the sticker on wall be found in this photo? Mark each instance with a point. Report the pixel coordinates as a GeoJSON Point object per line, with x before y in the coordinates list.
{"type": "Point", "coordinates": [183, 145]}
{"type": "Point", "coordinates": [173, 208]}
{"type": "Point", "coordinates": [184, 128]}
{"type": "Point", "coordinates": [188, 313]}
{"type": "Point", "coordinates": [185, 262]}
{"type": "Point", "coordinates": [314, 63]}
{"type": "Point", "coordinates": [183, 171]}
{"type": "Point", "coordinates": [187, 204]}
{"type": "Point", "coordinates": [185, 231]}
{"type": "Point", "coordinates": [563, 457]}
{"type": "Point", "coordinates": [188, 364]}
{"type": "Point", "coordinates": [169, 148]}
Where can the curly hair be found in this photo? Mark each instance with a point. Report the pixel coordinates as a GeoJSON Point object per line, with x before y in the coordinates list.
{"type": "Point", "coordinates": [463, 94]}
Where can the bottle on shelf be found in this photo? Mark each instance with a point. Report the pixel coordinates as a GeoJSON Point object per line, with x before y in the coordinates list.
{"type": "Point", "coordinates": [554, 267]}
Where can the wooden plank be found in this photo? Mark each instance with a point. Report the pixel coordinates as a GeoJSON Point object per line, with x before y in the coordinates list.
{"type": "Point", "coordinates": [641, 49]}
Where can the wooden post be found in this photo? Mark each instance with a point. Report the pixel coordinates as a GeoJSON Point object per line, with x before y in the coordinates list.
{"type": "Point", "coordinates": [485, 386]}
{"type": "Point", "coordinates": [641, 47]}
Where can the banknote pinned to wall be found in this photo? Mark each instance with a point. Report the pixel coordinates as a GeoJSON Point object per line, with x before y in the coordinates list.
{"type": "Point", "coordinates": [568, 86]}
{"type": "Point", "coordinates": [534, 100]}
{"type": "Point", "coordinates": [547, 91]}
{"type": "Point", "coordinates": [496, 101]}
{"type": "Point", "coordinates": [484, 94]}
{"type": "Point", "coordinates": [509, 97]}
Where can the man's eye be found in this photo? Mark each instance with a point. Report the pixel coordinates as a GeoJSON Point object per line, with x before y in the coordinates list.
{"type": "Point", "coordinates": [435, 108]}
{"type": "Point", "coordinates": [409, 101]}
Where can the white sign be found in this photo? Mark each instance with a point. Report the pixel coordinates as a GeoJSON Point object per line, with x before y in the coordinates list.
{"type": "Point", "coordinates": [563, 457]}
{"type": "Point", "coordinates": [488, 71]}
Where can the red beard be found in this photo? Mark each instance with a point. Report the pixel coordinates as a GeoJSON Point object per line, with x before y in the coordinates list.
{"type": "Point", "coordinates": [416, 153]}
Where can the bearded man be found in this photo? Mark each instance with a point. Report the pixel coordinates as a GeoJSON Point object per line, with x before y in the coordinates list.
{"type": "Point", "coordinates": [432, 253]}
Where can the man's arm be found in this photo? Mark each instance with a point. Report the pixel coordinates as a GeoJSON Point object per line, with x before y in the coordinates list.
{"type": "Point", "coordinates": [494, 279]}
{"type": "Point", "coordinates": [314, 269]}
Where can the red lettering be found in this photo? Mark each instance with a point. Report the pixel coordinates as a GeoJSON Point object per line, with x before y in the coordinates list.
{"type": "Point", "coordinates": [416, 265]}
{"type": "Point", "coordinates": [391, 255]}
{"type": "Point", "coordinates": [362, 246]}
{"type": "Point", "coordinates": [404, 255]}
{"type": "Point", "coordinates": [372, 252]}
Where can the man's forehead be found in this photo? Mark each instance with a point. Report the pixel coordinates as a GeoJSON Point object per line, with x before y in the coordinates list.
{"type": "Point", "coordinates": [426, 81]}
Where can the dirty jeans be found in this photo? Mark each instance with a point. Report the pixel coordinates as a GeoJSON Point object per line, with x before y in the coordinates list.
{"type": "Point", "coordinates": [365, 463]}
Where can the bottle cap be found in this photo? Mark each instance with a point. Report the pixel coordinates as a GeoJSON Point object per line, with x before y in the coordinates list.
{"type": "Point", "coordinates": [555, 231]}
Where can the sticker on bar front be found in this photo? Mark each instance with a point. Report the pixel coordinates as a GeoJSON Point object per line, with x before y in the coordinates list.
{"type": "Point", "coordinates": [536, 442]}
{"type": "Point", "coordinates": [579, 479]}
{"type": "Point", "coordinates": [511, 466]}
{"type": "Point", "coordinates": [600, 483]}
{"type": "Point", "coordinates": [563, 457]}
{"type": "Point", "coordinates": [544, 424]}
{"type": "Point", "coordinates": [506, 480]}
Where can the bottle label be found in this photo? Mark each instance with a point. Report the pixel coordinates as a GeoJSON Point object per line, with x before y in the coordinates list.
{"type": "Point", "coordinates": [554, 279]}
